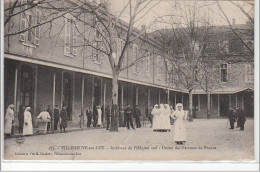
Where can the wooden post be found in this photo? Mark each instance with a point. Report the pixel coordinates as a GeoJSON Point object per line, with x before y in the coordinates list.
{"type": "Point", "coordinates": [182, 98]}
{"type": "Point", "coordinates": [198, 102]}
{"type": "Point", "coordinates": [211, 101]}
{"type": "Point", "coordinates": [82, 101]}
{"type": "Point", "coordinates": [218, 107]}
{"type": "Point", "coordinates": [148, 97]}
{"type": "Point", "coordinates": [15, 95]}
{"type": "Point", "coordinates": [61, 95]}
{"type": "Point", "coordinates": [92, 93]}
{"type": "Point", "coordinates": [53, 101]}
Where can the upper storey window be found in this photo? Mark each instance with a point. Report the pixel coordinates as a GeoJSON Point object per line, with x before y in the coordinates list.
{"type": "Point", "coordinates": [29, 17]}
{"type": "Point", "coordinates": [249, 73]}
{"type": "Point", "coordinates": [135, 59]}
{"type": "Point", "coordinates": [70, 44]}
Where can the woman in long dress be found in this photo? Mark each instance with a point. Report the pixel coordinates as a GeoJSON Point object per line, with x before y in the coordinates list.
{"type": "Point", "coordinates": [63, 119]}
{"type": "Point", "coordinates": [156, 121]}
{"type": "Point", "coordinates": [99, 111]}
{"type": "Point", "coordinates": [167, 114]}
{"type": "Point", "coordinates": [161, 118]}
{"type": "Point", "coordinates": [9, 118]}
{"type": "Point", "coordinates": [27, 126]}
{"type": "Point", "coordinates": [179, 129]}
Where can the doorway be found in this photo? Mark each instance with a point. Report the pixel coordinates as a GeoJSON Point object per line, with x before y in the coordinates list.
{"type": "Point", "coordinates": [224, 105]}
{"type": "Point", "coordinates": [67, 93]}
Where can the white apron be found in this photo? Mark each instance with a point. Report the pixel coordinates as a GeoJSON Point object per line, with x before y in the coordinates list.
{"type": "Point", "coordinates": [99, 122]}
{"type": "Point", "coordinates": [156, 120]}
{"type": "Point", "coordinates": [9, 117]}
{"type": "Point", "coordinates": [179, 126]}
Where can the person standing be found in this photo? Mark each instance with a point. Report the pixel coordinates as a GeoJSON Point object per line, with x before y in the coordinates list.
{"type": "Point", "coordinates": [231, 117]}
{"type": "Point", "coordinates": [95, 116]}
{"type": "Point", "coordinates": [108, 116]}
{"type": "Point", "coordinates": [137, 115]}
{"type": "Point", "coordinates": [121, 117]}
{"type": "Point", "coordinates": [44, 115]}
{"type": "Point", "coordinates": [167, 114]}
{"type": "Point", "coordinates": [64, 120]}
{"type": "Point", "coordinates": [241, 117]}
{"type": "Point", "coordinates": [148, 113]}
{"type": "Point", "coordinates": [49, 110]}
{"type": "Point", "coordinates": [27, 127]}
{"type": "Point", "coordinates": [179, 129]}
{"type": "Point", "coordinates": [21, 118]}
{"type": "Point", "coordinates": [99, 112]}
{"type": "Point", "coordinates": [9, 120]}
{"type": "Point", "coordinates": [155, 112]}
{"type": "Point", "coordinates": [161, 121]}
{"type": "Point", "coordinates": [89, 117]}
{"type": "Point", "coordinates": [56, 117]}
{"type": "Point", "coordinates": [128, 113]}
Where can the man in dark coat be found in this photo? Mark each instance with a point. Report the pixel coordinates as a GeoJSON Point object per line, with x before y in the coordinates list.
{"type": "Point", "coordinates": [231, 117]}
{"type": "Point", "coordinates": [64, 119]}
{"type": "Point", "coordinates": [56, 117]}
{"type": "Point", "coordinates": [240, 117]}
{"type": "Point", "coordinates": [89, 117]}
{"type": "Point", "coordinates": [148, 113]}
{"type": "Point", "coordinates": [95, 116]}
{"type": "Point", "coordinates": [49, 110]}
{"type": "Point", "coordinates": [108, 116]}
{"type": "Point", "coordinates": [137, 114]}
{"type": "Point", "coordinates": [128, 115]}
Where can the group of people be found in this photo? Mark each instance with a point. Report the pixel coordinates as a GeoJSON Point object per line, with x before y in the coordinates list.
{"type": "Point", "coordinates": [25, 120]}
{"type": "Point", "coordinates": [236, 115]}
{"type": "Point", "coordinates": [162, 123]}
{"type": "Point", "coordinates": [125, 118]}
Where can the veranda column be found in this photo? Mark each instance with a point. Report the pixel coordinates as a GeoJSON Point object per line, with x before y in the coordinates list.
{"type": "Point", "coordinates": [198, 102]}
{"type": "Point", "coordinates": [73, 96]}
{"type": "Point", "coordinates": [53, 100]}
{"type": "Point", "coordinates": [159, 97]}
{"type": "Point", "coordinates": [175, 100]}
{"type": "Point", "coordinates": [243, 101]}
{"type": "Point", "coordinates": [136, 101]}
{"type": "Point", "coordinates": [122, 96]}
{"type": "Point", "coordinates": [168, 97]}
{"type": "Point", "coordinates": [15, 94]}
{"type": "Point", "coordinates": [148, 97]}
{"type": "Point", "coordinates": [61, 95]}
{"type": "Point", "coordinates": [35, 90]}
{"type": "Point", "coordinates": [229, 100]}
{"type": "Point", "coordinates": [182, 98]}
{"type": "Point", "coordinates": [236, 99]}
{"type": "Point", "coordinates": [218, 107]}
{"type": "Point", "coordinates": [82, 101]}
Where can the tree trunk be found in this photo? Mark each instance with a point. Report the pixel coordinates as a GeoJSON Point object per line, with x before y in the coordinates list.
{"type": "Point", "coordinates": [208, 105]}
{"type": "Point", "coordinates": [114, 110]}
{"type": "Point", "coordinates": [190, 106]}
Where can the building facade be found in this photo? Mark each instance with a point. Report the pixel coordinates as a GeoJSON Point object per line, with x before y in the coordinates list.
{"type": "Point", "coordinates": [44, 66]}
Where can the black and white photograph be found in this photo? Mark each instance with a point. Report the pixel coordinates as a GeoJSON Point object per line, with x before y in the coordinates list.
{"type": "Point", "coordinates": [122, 80]}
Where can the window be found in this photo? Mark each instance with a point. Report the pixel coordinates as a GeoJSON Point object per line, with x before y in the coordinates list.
{"type": "Point", "coordinates": [159, 63]}
{"type": "Point", "coordinates": [224, 46]}
{"type": "Point", "coordinates": [249, 73]}
{"type": "Point", "coordinates": [147, 64]}
{"type": "Point", "coordinates": [225, 70]}
{"type": "Point", "coordinates": [135, 59]}
{"type": "Point", "coordinates": [98, 47]}
{"type": "Point", "coordinates": [70, 44]}
{"type": "Point", "coordinates": [28, 18]}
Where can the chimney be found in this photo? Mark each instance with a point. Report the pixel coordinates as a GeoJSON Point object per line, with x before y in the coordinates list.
{"type": "Point", "coordinates": [233, 21]}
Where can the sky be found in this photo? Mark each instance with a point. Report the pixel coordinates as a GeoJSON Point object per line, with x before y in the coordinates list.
{"type": "Point", "coordinates": [180, 8]}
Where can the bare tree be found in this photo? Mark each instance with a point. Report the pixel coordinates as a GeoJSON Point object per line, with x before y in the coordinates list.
{"type": "Point", "coordinates": [105, 32]}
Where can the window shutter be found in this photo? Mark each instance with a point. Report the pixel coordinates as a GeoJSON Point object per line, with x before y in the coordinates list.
{"type": "Point", "coordinates": [37, 29]}
{"type": "Point", "coordinates": [67, 36]}
{"type": "Point", "coordinates": [74, 51]}
{"type": "Point", "coordinates": [23, 26]}
{"type": "Point", "coordinates": [229, 72]}
{"type": "Point", "coordinates": [134, 59]}
{"type": "Point", "coordinates": [246, 73]}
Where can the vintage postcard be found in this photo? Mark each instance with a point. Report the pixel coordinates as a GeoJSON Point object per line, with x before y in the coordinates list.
{"type": "Point", "coordinates": [151, 80]}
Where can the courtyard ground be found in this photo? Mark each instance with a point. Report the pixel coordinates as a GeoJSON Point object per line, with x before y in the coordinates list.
{"type": "Point", "coordinates": [207, 139]}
